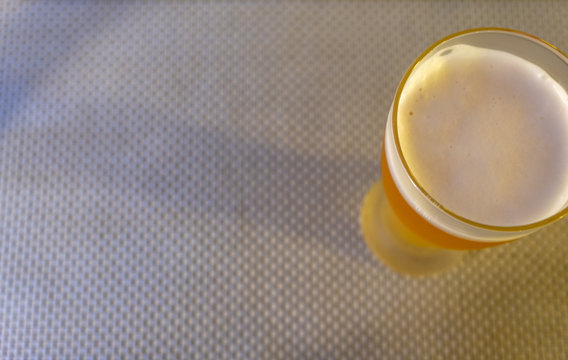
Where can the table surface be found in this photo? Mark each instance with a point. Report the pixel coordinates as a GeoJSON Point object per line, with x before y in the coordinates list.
{"type": "Point", "coordinates": [183, 180]}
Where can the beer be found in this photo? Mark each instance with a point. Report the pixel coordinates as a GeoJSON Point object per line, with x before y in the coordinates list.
{"type": "Point", "coordinates": [475, 151]}
{"type": "Point", "coordinates": [485, 133]}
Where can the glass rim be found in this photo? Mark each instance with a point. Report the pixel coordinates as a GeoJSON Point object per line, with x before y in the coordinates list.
{"type": "Point", "coordinates": [516, 228]}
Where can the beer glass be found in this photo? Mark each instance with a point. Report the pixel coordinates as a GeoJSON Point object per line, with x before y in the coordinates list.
{"type": "Point", "coordinates": [405, 225]}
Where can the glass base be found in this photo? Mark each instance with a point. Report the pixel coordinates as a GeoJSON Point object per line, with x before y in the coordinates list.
{"type": "Point", "coordinates": [395, 244]}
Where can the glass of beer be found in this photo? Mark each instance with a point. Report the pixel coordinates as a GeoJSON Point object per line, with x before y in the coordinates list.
{"type": "Point", "coordinates": [475, 152]}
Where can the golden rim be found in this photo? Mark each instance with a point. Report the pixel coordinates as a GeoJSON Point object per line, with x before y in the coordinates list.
{"type": "Point", "coordinates": [530, 226]}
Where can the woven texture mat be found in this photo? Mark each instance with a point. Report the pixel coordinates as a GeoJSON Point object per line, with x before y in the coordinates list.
{"type": "Point", "coordinates": [183, 180]}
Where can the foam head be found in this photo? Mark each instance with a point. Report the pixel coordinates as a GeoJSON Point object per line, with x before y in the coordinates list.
{"type": "Point", "coordinates": [485, 133]}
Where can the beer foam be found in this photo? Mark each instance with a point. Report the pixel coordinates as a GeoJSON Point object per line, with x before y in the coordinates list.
{"type": "Point", "coordinates": [485, 133]}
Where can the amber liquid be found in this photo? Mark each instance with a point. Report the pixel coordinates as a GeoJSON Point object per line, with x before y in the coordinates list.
{"type": "Point", "coordinates": [424, 232]}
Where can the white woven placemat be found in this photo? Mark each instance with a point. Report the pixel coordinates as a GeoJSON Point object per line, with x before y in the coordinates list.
{"type": "Point", "coordinates": [182, 180]}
